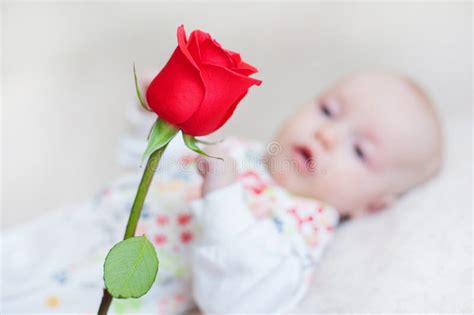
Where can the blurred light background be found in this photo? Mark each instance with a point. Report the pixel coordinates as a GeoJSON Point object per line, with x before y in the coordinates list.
{"type": "Point", "coordinates": [67, 85]}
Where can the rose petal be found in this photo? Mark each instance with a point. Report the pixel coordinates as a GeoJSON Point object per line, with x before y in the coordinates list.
{"type": "Point", "coordinates": [193, 46]}
{"type": "Point", "coordinates": [241, 66]}
{"type": "Point", "coordinates": [177, 91]}
{"type": "Point", "coordinates": [204, 49]}
{"type": "Point", "coordinates": [231, 110]}
{"type": "Point", "coordinates": [209, 50]}
{"type": "Point", "coordinates": [234, 55]}
{"type": "Point", "coordinates": [183, 44]}
{"type": "Point", "coordinates": [224, 88]}
{"type": "Point", "coordinates": [245, 69]}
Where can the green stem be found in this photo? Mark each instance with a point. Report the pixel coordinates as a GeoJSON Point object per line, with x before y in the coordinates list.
{"type": "Point", "coordinates": [137, 206]}
{"type": "Point", "coordinates": [150, 169]}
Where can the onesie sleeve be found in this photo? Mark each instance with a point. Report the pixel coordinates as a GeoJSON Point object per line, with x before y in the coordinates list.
{"type": "Point", "coordinates": [240, 263]}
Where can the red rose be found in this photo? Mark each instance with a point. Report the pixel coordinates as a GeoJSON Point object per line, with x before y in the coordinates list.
{"type": "Point", "coordinates": [199, 88]}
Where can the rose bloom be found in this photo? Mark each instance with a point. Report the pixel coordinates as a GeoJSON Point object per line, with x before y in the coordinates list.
{"type": "Point", "coordinates": [201, 85]}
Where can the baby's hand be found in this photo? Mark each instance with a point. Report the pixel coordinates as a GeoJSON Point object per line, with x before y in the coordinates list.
{"type": "Point", "coordinates": [216, 173]}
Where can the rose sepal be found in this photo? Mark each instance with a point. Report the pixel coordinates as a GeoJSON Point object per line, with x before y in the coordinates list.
{"type": "Point", "coordinates": [139, 93]}
{"type": "Point", "coordinates": [191, 143]}
{"type": "Point", "coordinates": [160, 135]}
{"type": "Point", "coordinates": [208, 142]}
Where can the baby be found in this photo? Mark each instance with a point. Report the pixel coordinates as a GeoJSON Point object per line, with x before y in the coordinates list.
{"type": "Point", "coordinates": [243, 235]}
{"type": "Point", "coordinates": [358, 147]}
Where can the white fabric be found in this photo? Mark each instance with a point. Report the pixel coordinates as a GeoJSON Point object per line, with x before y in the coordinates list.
{"type": "Point", "coordinates": [242, 264]}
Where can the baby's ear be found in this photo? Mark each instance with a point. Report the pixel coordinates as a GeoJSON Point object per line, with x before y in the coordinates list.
{"type": "Point", "coordinates": [381, 203]}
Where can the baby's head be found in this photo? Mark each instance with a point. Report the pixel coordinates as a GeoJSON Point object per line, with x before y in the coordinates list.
{"type": "Point", "coordinates": [360, 145]}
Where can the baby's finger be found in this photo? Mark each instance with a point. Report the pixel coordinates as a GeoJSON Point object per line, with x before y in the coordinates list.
{"type": "Point", "coordinates": [202, 165]}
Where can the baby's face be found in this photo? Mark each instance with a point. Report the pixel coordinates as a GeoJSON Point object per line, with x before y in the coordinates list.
{"type": "Point", "coordinates": [359, 145]}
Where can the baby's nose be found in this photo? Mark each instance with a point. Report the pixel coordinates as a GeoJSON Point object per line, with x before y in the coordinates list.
{"type": "Point", "coordinates": [326, 137]}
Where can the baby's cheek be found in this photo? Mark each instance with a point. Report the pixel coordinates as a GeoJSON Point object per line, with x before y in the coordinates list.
{"type": "Point", "coordinates": [339, 187]}
{"type": "Point", "coordinates": [282, 179]}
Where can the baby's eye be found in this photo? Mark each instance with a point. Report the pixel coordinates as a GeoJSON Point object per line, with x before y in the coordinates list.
{"type": "Point", "coordinates": [359, 152]}
{"type": "Point", "coordinates": [326, 111]}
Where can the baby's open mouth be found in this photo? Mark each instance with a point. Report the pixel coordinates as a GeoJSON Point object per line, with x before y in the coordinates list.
{"type": "Point", "coordinates": [304, 157]}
